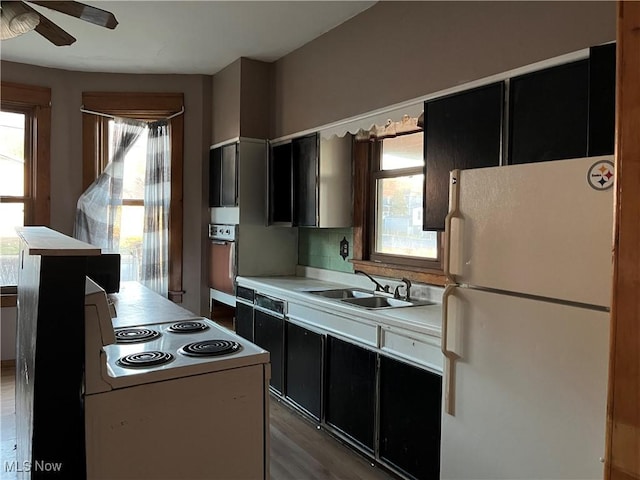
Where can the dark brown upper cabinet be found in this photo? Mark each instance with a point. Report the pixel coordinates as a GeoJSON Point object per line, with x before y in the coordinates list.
{"type": "Point", "coordinates": [463, 130]}
{"type": "Point", "coordinates": [602, 99]}
{"type": "Point", "coordinates": [280, 193]}
{"type": "Point", "coordinates": [223, 180]}
{"type": "Point", "coordinates": [305, 154]}
{"type": "Point", "coordinates": [562, 112]}
{"type": "Point", "coordinates": [310, 182]}
{"type": "Point", "coordinates": [548, 114]}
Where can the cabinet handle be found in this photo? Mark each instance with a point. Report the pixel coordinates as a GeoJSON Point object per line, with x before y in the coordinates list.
{"type": "Point", "coordinates": [449, 356]}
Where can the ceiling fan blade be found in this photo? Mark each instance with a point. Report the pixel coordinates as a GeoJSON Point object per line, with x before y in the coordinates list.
{"type": "Point", "coordinates": [79, 10]}
{"type": "Point", "coordinates": [50, 30]}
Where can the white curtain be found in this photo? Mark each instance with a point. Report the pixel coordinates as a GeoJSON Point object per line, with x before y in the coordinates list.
{"type": "Point", "coordinates": [99, 208]}
{"type": "Point", "coordinates": [157, 195]}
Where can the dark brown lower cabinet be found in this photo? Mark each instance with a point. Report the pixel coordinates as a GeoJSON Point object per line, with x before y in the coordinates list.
{"type": "Point", "coordinates": [269, 334]}
{"type": "Point", "coordinates": [351, 391]}
{"type": "Point", "coordinates": [244, 320]}
{"type": "Point", "coordinates": [304, 368]}
{"type": "Point", "coordinates": [389, 409]}
{"type": "Point", "coordinates": [410, 400]}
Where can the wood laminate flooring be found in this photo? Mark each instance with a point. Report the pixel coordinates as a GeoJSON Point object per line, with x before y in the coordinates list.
{"type": "Point", "coordinates": [299, 451]}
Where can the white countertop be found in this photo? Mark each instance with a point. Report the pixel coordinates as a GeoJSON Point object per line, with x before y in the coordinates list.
{"type": "Point", "coordinates": [49, 243]}
{"type": "Point", "coordinates": [137, 305]}
{"type": "Point", "coordinates": [421, 319]}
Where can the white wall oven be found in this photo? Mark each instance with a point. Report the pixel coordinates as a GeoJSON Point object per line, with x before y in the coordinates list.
{"type": "Point", "coordinates": [223, 265]}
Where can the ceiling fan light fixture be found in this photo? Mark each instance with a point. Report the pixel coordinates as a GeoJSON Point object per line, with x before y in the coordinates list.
{"type": "Point", "coordinates": [16, 23]}
{"type": "Point", "coordinates": [24, 22]}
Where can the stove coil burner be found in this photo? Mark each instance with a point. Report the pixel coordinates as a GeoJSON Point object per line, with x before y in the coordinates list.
{"type": "Point", "coordinates": [144, 359]}
{"type": "Point", "coordinates": [188, 327]}
{"type": "Point", "coordinates": [135, 335]}
{"type": "Point", "coordinates": [210, 348]}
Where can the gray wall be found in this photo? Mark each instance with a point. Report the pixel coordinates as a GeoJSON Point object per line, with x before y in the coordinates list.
{"type": "Point", "coordinates": [242, 100]}
{"type": "Point", "coordinates": [66, 149]}
{"type": "Point", "coordinates": [397, 51]}
{"type": "Point", "coordinates": [226, 103]}
{"type": "Point", "coordinates": [255, 98]}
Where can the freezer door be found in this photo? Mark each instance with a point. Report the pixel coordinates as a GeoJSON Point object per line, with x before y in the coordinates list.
{"type": "Point", "coordinates": [543, 229]}
{"type": "Point", "coordinates": [529, 389]}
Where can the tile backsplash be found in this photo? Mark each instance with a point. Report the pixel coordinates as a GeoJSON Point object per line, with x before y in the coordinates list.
{"type": "Point", "coordinates": [320, 248]}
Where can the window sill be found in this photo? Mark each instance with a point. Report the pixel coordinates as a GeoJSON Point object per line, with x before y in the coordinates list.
{"type": "Point", "coordinates": [415, 274]}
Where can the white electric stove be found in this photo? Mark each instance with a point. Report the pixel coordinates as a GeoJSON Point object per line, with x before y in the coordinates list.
{"type": "Point", "coordinates": [175, 400]}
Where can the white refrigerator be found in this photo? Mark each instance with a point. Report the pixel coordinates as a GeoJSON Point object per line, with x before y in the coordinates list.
{"type": "Point", "coordinates": [528, 249]}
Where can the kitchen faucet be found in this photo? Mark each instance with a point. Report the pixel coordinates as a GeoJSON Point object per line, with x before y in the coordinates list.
{"type": "Point", "coordinates": [379, 287]}
{"type": "Point", "coordinates": [407, 285]}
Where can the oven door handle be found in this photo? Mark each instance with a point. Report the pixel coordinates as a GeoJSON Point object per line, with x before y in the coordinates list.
{"type": "Point", "coordinates": [219, 242]}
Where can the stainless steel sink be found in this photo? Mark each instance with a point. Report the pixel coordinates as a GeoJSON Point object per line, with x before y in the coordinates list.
{"type": "Point", "coordinates": [343, 293]}
{"type": "Point", "coordinates": [378, 301]}
{"type": "Point", "coordinates": [366, 298]}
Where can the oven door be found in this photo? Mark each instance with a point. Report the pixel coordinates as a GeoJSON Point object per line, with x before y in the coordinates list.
{"type": "Point", "coordinates": [222, 266]}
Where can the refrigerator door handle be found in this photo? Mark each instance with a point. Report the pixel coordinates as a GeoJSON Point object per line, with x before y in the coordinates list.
{"type": "Point", "coordinates": [450, 357]}
{"type": "Point", "coordinates": [448, 220]}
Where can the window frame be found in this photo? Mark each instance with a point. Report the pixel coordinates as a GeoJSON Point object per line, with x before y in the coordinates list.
{"type": "Point", "coordinates": [141, 106]}
{"type": "Point", "coordinates": [27, 198]}
{"type": "Point", "coordinates": [366, 158]}
{"type": "Point", "coordinates": [377, 173]}
{"type": "Point", "coordinates": [35, 102]}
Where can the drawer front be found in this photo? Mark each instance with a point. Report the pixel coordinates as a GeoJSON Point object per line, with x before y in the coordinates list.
{"type": "Point", "coordinates": [420, 349]}
{"type": "Point", "coordinates": [245, 293]}
{"type": "Point", "coordinates": [358, 331]}
{"type": "Point", "coordinates": [273, 305]}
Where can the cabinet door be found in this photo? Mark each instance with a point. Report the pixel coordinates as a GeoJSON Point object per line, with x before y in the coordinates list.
{"type": "Point", "coordinates": [548, 114]}
{"type": "Point", "coordinates": [215, 177]}
{"type": "Point", "coordinates": [305, 176]}
{"type": "Point", "coordinates": [222, 176]}
{"type": "Point", "coordinates": [304, 368]}
{"type": "Point", "coordinates": [228, 196]}
{"type": "Point", "coordinates": [244, 320]}
{"type": "Point", "coordinates": [410, 418]}
{"type": "Point", "coordinates": [461, 131]}
{"type": "Point", "coordinates": [602, 99]}
{"type": "Point", "coordinates": [280, 194]}
{"type": "Point", "coordinates": [350, 398]}
{"type": "Point", "coordinates": [269, 334]}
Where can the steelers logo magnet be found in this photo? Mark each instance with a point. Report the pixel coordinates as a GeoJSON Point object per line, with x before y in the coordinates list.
{"type": "Point", "coordinates": [601, 175]}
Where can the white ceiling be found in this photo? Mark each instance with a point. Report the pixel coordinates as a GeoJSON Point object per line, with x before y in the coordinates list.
{"type": "Point", "coordinates": [194, 37]}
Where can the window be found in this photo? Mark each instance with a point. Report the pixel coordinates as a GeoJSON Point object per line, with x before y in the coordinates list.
{"type": "Point", "coordinates": [388, 206]}
{"type": "Point", "coordinates": [132, 210]}
{"type": "Point", "coordinates": [15, 164]}
{"type": "Point", "coordinates": [96, 144]}
{"type": "Point", "coordinates": [398, 184]}
{"type": "Point", "coordinates": [25, 119]}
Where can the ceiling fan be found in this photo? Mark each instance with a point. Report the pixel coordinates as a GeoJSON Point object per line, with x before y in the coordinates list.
{"type": "Point", "coordinates": [18, 18]}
